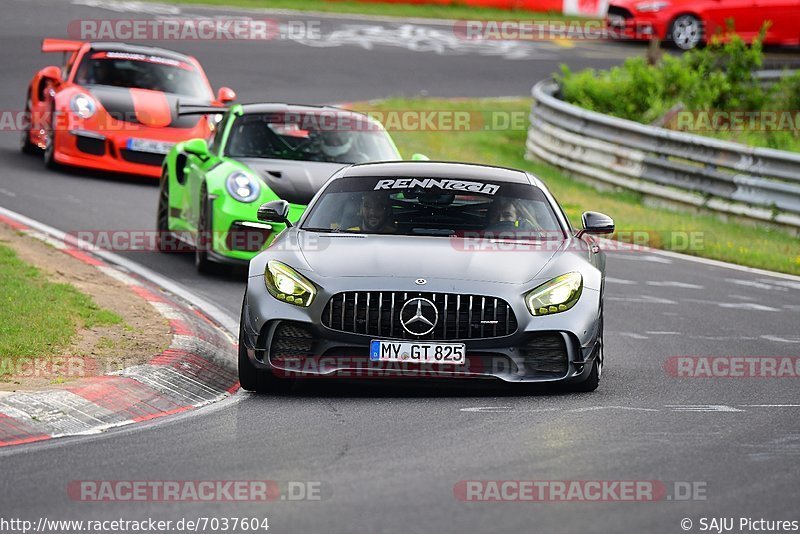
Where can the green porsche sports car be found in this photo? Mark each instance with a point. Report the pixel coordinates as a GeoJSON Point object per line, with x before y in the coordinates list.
{"type": "Point", "coordinates": [210, 191]}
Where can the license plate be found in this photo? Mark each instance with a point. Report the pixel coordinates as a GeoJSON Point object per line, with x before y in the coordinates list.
{"type": "Point", "coordinates": [148, 145]}
{"type": "Point", "coordinates": [402, 351]}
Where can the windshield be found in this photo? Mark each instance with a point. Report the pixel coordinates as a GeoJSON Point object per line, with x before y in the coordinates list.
{"type": "Point", "coordinates": [140, 71]}
{"type": "Point", "coordinates": [335, 137]}
{"type": "Point", "coordinates": [434, 207]}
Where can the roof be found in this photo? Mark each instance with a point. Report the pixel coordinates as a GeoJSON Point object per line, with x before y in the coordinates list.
{"type": "Point", "coordinates": [281, 107]}
{"type": "Point", "coordinates": [437, 169]}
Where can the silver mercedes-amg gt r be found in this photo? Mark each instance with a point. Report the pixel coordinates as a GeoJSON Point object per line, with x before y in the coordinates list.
{"type": "Point", "coordinates": [426, 269]}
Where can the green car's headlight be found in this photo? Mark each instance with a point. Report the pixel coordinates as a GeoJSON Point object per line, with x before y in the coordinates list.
{"type": "Point", "coordinates": [286, 284]}
{"type": "Point", "coordinates": [242, 186]}
{"type": "Point", "coordinates": [556, 295]}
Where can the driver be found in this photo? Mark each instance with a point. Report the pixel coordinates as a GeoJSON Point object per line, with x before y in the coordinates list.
{"type": "Point", "coordinates": [375, 213]}
{"type": "Point", "coordinates": [506, 215]}
{"type": "Point", "coordinates": [338, 146]}
{"type": "Point", "coordinates": [503, 216]}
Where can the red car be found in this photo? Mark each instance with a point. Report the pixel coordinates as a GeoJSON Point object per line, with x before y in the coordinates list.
{"type": "Point", "coordinates": [688, 23]}
{"type": "Point", "coordinates": [113, 106]}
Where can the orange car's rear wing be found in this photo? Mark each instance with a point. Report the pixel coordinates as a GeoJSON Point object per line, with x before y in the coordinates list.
{"type": "Point", "coordinates": [60, 45]}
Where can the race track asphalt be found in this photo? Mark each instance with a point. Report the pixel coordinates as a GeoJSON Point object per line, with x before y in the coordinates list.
{"type": "Point", "coordinates": [388, 455]}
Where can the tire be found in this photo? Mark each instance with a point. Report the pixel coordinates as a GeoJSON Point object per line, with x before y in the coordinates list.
{"type": "Point", "coordinates": [164, 238]}
{"type": "Point", "coordinates": [686, 32]}
{"type": "Point", "coordinates": [257, 380]}
{"type": "Point", "coordinates": [25, 141]}
{"type": "Point", "coordinates": [49, 151]}
{"type": "Point", "coordinates": [203, 241]}
{"type": "Point", "coordinates": [593, 380]}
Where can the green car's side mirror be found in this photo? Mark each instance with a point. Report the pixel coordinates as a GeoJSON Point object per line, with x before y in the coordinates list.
{"type": "Point", "coordinates": [197, 147]}
{"type": "Point", "coordinates": [419, 157]}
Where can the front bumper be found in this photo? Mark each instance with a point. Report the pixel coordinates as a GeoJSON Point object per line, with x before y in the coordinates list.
{"type": "Point", "coordinates": [638, 27]}
{"type": "Point", "coordinates": [238, 236]}
{"type": "Point", "coordinates": [109, 150]}
{"type": "Point", "coordinates": [292, 342]}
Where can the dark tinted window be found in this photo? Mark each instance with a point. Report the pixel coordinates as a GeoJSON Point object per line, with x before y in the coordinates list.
{"type": "Point", "coordinates": [310, 137]}
{"type": "Point", "coordinates": [435, 207]}
{"type": "Point", "coordinates": [139, 71]}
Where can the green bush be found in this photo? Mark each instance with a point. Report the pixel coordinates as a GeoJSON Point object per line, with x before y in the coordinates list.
{"type": "Point", "coordinates": [718, 77]}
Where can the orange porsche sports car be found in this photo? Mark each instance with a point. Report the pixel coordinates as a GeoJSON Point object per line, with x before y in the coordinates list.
{"type": "Point", "coordinates": [113, 106]}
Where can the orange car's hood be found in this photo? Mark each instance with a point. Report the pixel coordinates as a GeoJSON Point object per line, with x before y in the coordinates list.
{"type": "Point", "coordinates": [149, 108]}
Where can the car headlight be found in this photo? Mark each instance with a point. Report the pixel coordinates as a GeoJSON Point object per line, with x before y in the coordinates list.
{"type": "Point", "coordinates": [242, 186]}
{"type": "Point", "coordinates": [83, 105]}
{"type": "Point", "coordinates": [287, 285]}
{"type": "Point", "coordinates": [651, 7]}
{"type": "Point", "coordinates": [556, 295]}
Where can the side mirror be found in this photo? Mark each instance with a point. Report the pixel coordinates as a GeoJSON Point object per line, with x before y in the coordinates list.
{"type": "Point", "coordinates": [596, 223]}
{"type": "Point", "coordinates": [276, 211]}
{"type": "Point", "coordinates": [51, 73]}
{"type": "Point", "coordinates": [419, 157]}
{"type": "Point", "coordinates": [197, 147]}
{"type": "Point", "coordinates": [225, 95]}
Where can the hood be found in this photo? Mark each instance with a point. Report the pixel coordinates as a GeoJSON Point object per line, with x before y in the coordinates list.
{"type": "Point", "coordinates": [293, 181]}
{"type": "Point", "coordinates": [420, 257]}
{"type": "Point", "coordinates": [154, 109]}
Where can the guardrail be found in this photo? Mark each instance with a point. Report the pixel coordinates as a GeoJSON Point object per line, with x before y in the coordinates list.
{"type": "Point", "coordinates": [758, 183]}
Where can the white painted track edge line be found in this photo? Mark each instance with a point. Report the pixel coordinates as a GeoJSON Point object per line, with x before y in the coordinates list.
{"type": "Point", "coordinates": [225, 319]}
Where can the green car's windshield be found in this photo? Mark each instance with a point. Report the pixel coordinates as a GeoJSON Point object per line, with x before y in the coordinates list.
{"type": "Point", "coordinates": [335, 137]}
{"type": "Point", "coordinates": [434, 207]}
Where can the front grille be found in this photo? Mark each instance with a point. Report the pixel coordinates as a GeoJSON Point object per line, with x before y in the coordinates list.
{"type": "Point", "coordinates": [377, 313]}
{"type": "Point", "coordinates": [290, 340]}
{"type": "Point", "coordinates": [546, 355]}
{"type": "Point", "coordinates": [616, 11]}
{"type": "Point", "coordinates": [91, 145]}
{"type": "Point", "coordinates": [145, 158]}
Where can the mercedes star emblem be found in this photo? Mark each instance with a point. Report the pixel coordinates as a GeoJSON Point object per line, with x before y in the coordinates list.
{"type": "Point", "coordinates": [419, 316]}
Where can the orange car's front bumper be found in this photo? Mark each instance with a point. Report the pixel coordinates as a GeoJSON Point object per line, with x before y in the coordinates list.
{"type": "Point", "coordinates": [115, 150]}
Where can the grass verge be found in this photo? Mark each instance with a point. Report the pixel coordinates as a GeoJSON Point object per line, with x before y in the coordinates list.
{"type": "Point", "coordinates": [39, 318]}
{"type": "Point", "coordinates": [754, 246]}
{"type": "Point", "coordinates": [451, 11]}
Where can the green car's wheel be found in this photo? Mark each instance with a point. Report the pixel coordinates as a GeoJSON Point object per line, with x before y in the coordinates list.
{"type": "Point", "coordinates": [165, 239]}
{"type": "Point", "coordinates": [204, 237]}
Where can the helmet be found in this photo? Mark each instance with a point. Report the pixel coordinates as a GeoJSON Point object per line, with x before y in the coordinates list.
{"type": "Point", "coordinates": [335, 144]}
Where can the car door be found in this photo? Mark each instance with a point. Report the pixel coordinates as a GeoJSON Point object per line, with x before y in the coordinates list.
{"type": "Point", "coordinates": [194, 176]}
{"type": "Point", "coordinates": [718, 14]}
{"type": "Point", "coordinates": [784, 20]}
